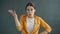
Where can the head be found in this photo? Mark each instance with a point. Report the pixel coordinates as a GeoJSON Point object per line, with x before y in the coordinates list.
{"type": "Point", "coordinates": [30, 8]}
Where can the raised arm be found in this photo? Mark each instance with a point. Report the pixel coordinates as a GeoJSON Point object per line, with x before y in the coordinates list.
{"type": "Point", "coordinates": [18, 25]}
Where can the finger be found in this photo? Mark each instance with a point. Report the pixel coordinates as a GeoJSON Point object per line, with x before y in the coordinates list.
{"type": "Point", "coordinates": [10, 11]}
{"type": "Point", "coordinates": [14, 12]}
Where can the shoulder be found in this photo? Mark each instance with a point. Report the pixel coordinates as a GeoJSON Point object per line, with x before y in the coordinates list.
{"type": "Point", "coordinates": [38, 17]}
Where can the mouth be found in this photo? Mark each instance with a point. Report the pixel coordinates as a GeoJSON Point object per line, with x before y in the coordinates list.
{"type": "Point", "coordinates": [29, 14]}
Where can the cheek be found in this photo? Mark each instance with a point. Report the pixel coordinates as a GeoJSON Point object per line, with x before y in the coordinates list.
{"type": "Point", "coordinates": [33, 12]}
{"type": "Point", "coordinates": [27, 12]}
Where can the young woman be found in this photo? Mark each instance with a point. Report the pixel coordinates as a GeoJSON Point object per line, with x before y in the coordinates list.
{"type": "Point", "coordinates": [29, 23]}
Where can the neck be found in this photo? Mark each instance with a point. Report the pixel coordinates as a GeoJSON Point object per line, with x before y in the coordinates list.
{"type": "Point", "coordinates": [31, 17]}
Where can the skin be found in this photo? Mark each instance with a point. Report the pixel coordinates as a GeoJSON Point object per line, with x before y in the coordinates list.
{"type": "Point", "coordinates": [30, 13]}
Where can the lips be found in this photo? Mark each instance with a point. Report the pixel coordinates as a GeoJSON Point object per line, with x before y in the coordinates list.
{"type": "Point", "coordinates": [29, 14]}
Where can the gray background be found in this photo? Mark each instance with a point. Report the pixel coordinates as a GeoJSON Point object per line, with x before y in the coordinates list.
{"type": "Point", "coordinates": [49, 10]}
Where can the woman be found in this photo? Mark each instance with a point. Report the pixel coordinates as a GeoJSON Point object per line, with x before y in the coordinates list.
{"type": "Point", "coordinates": [29, 23]}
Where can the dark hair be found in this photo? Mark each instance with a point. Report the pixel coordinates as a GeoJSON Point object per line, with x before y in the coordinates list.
{"type": "Point", "coordinates": [30, 4]}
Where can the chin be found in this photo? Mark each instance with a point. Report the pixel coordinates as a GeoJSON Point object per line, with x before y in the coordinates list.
{"type": "Point", "coordinates": [30, 16]}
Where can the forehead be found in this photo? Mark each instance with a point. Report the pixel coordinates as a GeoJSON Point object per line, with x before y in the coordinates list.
{"type": "Point", "coordinates": [30, 7]}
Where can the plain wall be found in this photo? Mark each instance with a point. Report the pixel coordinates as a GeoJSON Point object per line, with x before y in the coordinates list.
{"type": "Point", "coordinates": [49, 10]}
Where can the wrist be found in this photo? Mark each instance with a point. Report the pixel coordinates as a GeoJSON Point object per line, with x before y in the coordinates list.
{"type": "Point", "coordinates": [15, 17]}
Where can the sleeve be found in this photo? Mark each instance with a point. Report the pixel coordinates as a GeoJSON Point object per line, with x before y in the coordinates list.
{"type": "Point", "coordinates": [19, 28]}
{"type": "Point", "coordinates": [45, 26]}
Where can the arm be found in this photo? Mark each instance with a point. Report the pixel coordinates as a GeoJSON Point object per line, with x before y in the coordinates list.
{"type": "Point", "coordinates": [18, 25]}
{"type": "Point", "coordinates": [44, 32]}
{"type": "Point", "coordinates": [45, 26]}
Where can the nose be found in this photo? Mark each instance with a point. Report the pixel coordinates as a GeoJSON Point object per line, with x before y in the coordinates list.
{"type": "Point", "coordinates": [29, 11]}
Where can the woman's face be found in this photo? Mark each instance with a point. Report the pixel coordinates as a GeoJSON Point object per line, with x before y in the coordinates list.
{"type": "Point", "coordinates": [30, 11]}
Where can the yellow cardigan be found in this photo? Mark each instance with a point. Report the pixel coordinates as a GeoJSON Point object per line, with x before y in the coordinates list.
{"type": "Point", "coordinates": [38, 22]}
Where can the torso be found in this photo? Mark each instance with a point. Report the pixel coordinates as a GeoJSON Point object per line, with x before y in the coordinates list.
{"type": "Point", "coordinates": [30, 24]}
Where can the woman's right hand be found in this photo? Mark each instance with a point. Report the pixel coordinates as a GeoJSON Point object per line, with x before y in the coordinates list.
{"type": "Point", "coordinates": [15, 17]}
{"type": "Point", "coordinates": [13, 13]}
